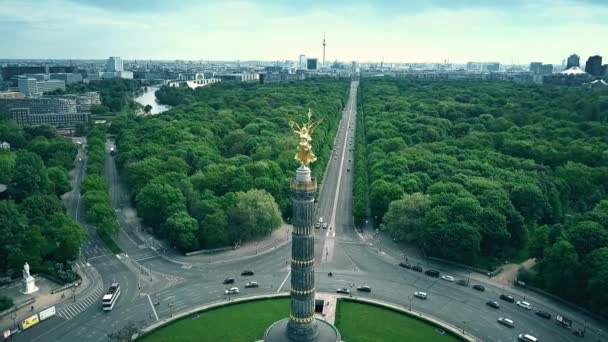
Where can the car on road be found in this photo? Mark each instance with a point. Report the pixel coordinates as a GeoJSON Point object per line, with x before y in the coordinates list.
{"type": "Point", "coordinates": [347, 170]}
{"type": "Point", "coordinates": [232, 290]}
{"type": "Point", "coordinates": [417, 268]}
{"type": "Point", "coordinates": [317, 225]}
{"type": "Point", "coordinates": [507, 298]}
{"type": "Point", "coordinates": [493, 304]}
{"type": "Point", "coordinates": [448, 278]}
{"type": "Point", "coordinates": [432, 273]}
{"type": "Point", "coordinates": [421, 295]}
{"type": "Point", "coordinates": [479, 287]}
{"type": "Point", "coordinates": [462, 282]}
{"type": "Point", "coordinates": [524, 304]}
{"type": "Point", "coordinates": [321, 219]}
{"type": "Point", "coordinates": [343, 290]}
{"type": "Point", "coordinates": [247, 273]}
{"type": "Point", "coordinates": [364, 288]}
{"type": "Point", "coordinates": [335, 158]}
{"type": "Point", "coordinates": [252, 284]}
{"type": "Point", "coordinates": [229, 281]}
{"type": "Point", "coordinates": [543, 314]}
{"type": "Point", "coordinates": [405, 264]}
{"type": "Point", "coordinates": [527, 338]}
{"type": "Point", "coordinates": [506, 322]}
{"type": "Point", "coordinates": [325, 225]}
{"type": "Point", "coordinates": [563, 321]}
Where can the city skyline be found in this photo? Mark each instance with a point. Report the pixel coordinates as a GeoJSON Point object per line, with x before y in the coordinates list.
{"type": "Point", "coordinates": [516, 32]}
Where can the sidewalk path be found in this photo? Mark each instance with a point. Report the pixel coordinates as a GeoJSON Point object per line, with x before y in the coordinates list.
{"type": "Point", "coordinates": [277, 239]}
{"type": "Point", "coordinates": [68, 303]}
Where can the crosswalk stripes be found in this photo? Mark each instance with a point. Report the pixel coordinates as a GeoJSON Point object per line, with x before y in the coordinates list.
{"type": "Point", "coordinates": [78, 307]}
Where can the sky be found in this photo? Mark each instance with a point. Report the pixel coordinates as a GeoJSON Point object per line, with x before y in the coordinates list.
{"type": "Point", "coordinates": [506, 31]}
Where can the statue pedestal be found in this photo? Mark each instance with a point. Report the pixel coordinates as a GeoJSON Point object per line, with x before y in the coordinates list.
{"type": "Point", "coordinates": [29, 285]}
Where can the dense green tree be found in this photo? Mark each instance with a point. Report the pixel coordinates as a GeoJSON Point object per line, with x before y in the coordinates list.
{"type": "Point", "coordinates": [13, 230]}
{"type": "Point", "coordinates": [156, 202]}
{"type": "Point", "coordinates": [29, 176]}
{"type": "Point", "coordinates": [560, 268]}
{"type": "Point", "coordinates": [255, 214]}
{"type": "Point", "coordinates": [181, 229]}
{"type": "Point", "coordinates": [68, 236]}
{"type": "Point", "coordinates": [59, 180]}
{"type": "Point", "coordinates": [382, 193]}
{"type": "Point", "coordinates": [7, 167]}
{"type": "Point", "coordinates": [539, 241]}
{"type": "Point", "coordinates": [405, 217]}
{"type": "Point", "coordinates": [587, 236]}
{"type": "Point", "coordinates": [40, 208]}
{"type": "Point", "coordinates": [213, 230]}
{"type": "Point", "coordinates": [596, 265]}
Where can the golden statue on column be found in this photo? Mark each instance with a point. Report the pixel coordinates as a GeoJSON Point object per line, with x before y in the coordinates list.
{"type": "Point", "coordinates": [305, 155]}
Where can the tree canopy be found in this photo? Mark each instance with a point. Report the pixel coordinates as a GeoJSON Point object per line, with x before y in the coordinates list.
{"type": "Point", "coordinates": [209, 155]}
{"type": "Point", "coordinates": [478, 172]}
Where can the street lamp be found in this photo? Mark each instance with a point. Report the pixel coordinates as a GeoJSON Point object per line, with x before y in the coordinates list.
{"type": "Point", "coordinates": [463, 324]}
{"type": "Point", "coordinates": [410, 297]}
{"type": "Point", "coordinates": [74, 293]}
{"type": "Point", "coordinates": [171, 309]}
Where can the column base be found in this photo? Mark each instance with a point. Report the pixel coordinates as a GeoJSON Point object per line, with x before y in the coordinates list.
{"type": "Point", "coordinates": [278, 332]}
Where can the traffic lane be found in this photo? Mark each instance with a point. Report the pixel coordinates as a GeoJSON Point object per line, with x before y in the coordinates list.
{"type": "Point", "coordinates": [479, 318]}
{"type": "Point", "coordinates": [493, 292]}
{"type": "Point", "coordinates": [538, 302]}
{"type": "Point", "coordinates": [112, 270]}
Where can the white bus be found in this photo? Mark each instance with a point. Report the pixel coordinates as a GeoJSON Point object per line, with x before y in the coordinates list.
{"type": "Point", "coordinates": [110, 298]}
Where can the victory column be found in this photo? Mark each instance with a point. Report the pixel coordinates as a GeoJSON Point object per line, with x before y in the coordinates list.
{"type": "Point", "coordinates": [301, 324]}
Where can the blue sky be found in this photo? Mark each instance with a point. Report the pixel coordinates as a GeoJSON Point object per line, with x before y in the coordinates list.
{"type": "Point", "coordinates": [364, 30]}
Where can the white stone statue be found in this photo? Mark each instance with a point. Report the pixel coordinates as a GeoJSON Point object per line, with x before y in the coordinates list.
{"type": "Point", "coordinates": [29, 283]}
{"type": "Point", "coordinates": [26, 271]}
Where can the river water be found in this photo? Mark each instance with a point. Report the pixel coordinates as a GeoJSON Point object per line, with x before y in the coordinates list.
{"type": "Point", "coordinates": [148, 98]}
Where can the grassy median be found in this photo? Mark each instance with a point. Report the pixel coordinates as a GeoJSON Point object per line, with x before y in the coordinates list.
{"type": "Point", "coordinates": [359, 322]}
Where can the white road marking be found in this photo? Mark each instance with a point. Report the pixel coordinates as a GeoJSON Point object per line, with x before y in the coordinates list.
{"type": "Point", "coordinates": [152, 306]}
{"type": "Point", "coordinates": [284, 280]}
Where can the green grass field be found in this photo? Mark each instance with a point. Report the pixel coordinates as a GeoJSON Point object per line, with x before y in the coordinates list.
{"type": "Point", "coordinates": [245, 322]}
{"type": "Point", "coordinates": [367, 323]}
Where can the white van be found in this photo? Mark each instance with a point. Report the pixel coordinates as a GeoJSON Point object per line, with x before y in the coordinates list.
{"type": "Point", "coordinates": [527, 338]}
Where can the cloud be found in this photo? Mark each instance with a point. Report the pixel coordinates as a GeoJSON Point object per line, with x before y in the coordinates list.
{"type": "Point", "coordinates": [434, 30]}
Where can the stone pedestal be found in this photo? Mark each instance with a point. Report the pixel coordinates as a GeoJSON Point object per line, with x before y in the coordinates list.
{"type": "Point", "coordinates": [29, 285]}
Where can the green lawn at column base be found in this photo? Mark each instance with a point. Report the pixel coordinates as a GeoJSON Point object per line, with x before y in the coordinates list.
{"type": "Point", "coordinates": [359, 322]}
{"type": "Point", "coordinates": [244, 322]}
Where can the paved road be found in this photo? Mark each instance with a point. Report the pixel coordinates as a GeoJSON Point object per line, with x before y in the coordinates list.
{"type": "Point", "coordinates": [354, 258]}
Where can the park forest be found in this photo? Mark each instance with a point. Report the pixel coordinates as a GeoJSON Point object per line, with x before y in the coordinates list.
{"type": "Point", "coordinates": [482, 173]}
{"type": "Point", "coordinates": [34, 225]}
{"type": "Point", "coordinates": [214, 170]}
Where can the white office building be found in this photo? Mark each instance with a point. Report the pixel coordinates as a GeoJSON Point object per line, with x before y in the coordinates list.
{"type": "Point", "coordinates": [31, 86]}
{"type": "Point", "coordinates": [114, 64]}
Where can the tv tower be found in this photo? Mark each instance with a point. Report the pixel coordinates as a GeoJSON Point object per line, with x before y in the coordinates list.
{"type": "Point", "coordinates": [323, 64]}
